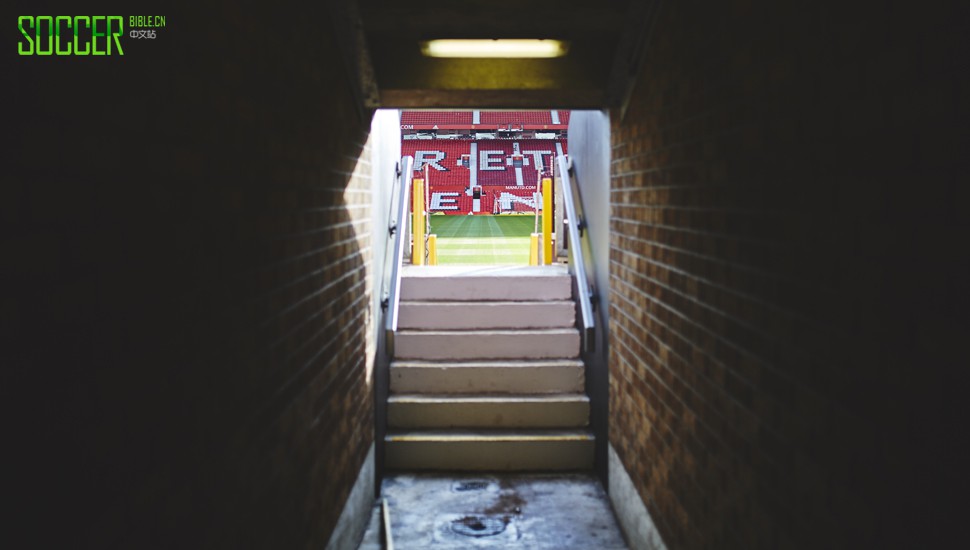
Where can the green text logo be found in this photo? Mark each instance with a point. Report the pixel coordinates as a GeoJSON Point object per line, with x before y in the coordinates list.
{"type": "Point", "coordinates": [70, 35]}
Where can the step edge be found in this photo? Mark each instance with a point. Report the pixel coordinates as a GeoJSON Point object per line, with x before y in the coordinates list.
{"type": "Point", "coordinates": [552, 302]}
{"type": "Point", "coordinates": [419, 437]}
{"type": "Point", "coordinates": [499, 363]}
{"type": "Point", "coordinates": [496, 331]}
{"type": "Point", "coordinates": [490, 398]}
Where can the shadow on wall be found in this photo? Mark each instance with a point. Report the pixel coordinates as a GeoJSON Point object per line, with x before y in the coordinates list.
{"type": "Point", "coordinates": [788, 303]}
{"type": "Point", "coordinates": [190, 237]}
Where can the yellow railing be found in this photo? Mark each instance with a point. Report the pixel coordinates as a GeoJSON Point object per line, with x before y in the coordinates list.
{"type": "Point", "coordinates": [547, 216]}
{"type": "Point", "coordinates": [417, 222]}
{"type": "Point", "coordinates": [425, 246]}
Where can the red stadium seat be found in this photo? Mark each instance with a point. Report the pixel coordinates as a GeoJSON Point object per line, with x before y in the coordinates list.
{"type": "Point", "coordinates": [453, 199]}
{"type": "Point", "coordinates": [437, 117]}
{"type": "Point", "coordinates": [503, 149]}
{"type": "Point", "coordinates": [515, 118]}
{"type": "Point", "coordinates": [446, 169]}
{"type": "Point", "coordinates": [490, 119]}
{"type": "Point", "coordinates": [443, 159]}
{"type": "Point", "coordinates": [503, 167]}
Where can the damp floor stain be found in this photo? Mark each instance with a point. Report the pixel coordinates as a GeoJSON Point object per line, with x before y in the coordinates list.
{"type": "Point", "coordinates": [546, 511]}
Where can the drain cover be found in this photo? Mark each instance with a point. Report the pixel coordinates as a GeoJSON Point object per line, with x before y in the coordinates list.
{"type": "Point", "coordinates": [478, 526]}
{"type": "Point", "coordinates": [475, 530]}
{"type": "Point", "coordinates": [470, 485]}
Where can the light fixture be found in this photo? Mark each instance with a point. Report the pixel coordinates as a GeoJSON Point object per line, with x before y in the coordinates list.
{"type": "Point", "coordinates": [497, 48]}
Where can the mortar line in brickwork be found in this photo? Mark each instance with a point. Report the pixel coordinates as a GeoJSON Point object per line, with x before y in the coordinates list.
{"type": "Point", "coordinates": [334, 319]}
{"type": "Point", "coordinates": [362, 158]}
{"type": "Point", "coordinates": [337, 207]}
{"type": "Point", "coordinates": [740, 294]}
{"type": "Point", "coordinates": [292, 306]}
{"type": "Point", "coordinates": [683, 360]}
{"type": "Point", "coordinates": [319, 186]}
{"type": "Point", "coordinates": [641, 207]}
{"type": "Point", "coordinates": [630, 337]}
{"type": "Point", "coordinates": [294, 380]}
{"type": "Point", "coordinates": [766, 244]}
{"type": "Point", "coordinates": [719, 462]}
{"type": "Point", "coordinates": [300, 369]}
{"type": "Point", "coordinates": [273, 345]}
{"type": "Point", "coordinates": [317, 233]}
{"type": "Point", "coordinates": [678, 208]}
{"type": "Point", "coordinates": [700, 303]}
{"type": "Point", "coordinates": [340, 190]}
{"type": "Point", "coordinates": [657, 375]}
{"type": "Point", "coordinates": [723, 463]}
{"type": "Point", "coordinates": [699, 326]}
{"type": "Point", "coordinates": [327, 228]}
{"type": "Point", "coordinates": [681, 337]}
{"type": "Point", "coordinates": [354, 175]}
{"type": "Point", "coordinates": [313, 273]}
{"type": "Point", "coordinates": [290, 259]}
{"type": "Point", "coordinates": [714, 259]}
{"type": "Point", "coordinates": [346, 375]}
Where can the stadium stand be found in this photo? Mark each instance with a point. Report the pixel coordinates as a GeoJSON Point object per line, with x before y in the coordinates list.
{"type": "Point", "coordinates": [445, 170]}
{"type": "Point", "coordinates": [441, 118]}
{"type": "Point", "coordinates": [516, 118]}
{"type": "Point", "coordinates": [506, 175]}
{"type": "Point", "coordinates": [453, 199]}
{"type": "Point", "coordinates": [450, 199]}
{"type": "Point", "coordinates": [443, 157]}
{"type": "Point", "coordinates": [488, 119]}
{"type": "Point", "coordinates": [492, 166]}
{"type": "Point", "coordinates": [505, 168]}
{"type": "Point", "coordinates": [521, 201]}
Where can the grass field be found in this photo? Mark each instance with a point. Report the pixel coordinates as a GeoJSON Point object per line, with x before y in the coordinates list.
{"type": "Point", "coordinates": [483, 239]}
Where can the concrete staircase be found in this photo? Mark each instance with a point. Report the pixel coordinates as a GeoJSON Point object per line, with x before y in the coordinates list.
{"type": "Point", "coordinates": [486, 374]}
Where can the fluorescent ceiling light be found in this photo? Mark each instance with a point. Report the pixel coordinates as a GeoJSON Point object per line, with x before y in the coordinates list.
{"type": "Point", "coordinates": [504, 47]}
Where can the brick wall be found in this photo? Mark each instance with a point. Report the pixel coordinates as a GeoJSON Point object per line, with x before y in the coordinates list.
{"type": "Point", "coordinates": [787, 284]}
{"type": "Point", "coordinates": [189, 240]}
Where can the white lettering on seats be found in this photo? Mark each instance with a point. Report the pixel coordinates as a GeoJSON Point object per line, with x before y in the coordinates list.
{"type": "Point", "coordinates": [444, 201]}
{"type": "Point", "coordinates": [491, 160]}
{"type": "Point", "coordinates": [537, 156]}
{"type": "Point", "coordinates": [430, 158]}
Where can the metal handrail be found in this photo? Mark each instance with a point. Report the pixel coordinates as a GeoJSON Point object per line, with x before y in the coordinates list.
{"type": "Point", "coordinates": [397, 232]}
{"type": "Point", "coordinates": [577, 264]}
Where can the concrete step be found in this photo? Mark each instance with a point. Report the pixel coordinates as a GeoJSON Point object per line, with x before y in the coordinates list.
{"type": "Point", "coordinates": [495, 411]}
{"type": "Point", "coordinates": [489, 450]}
{"type": "Point", "coordinates": [488, 377]}
{"type": "Point", "coordinates": [373, 539]}
{"type": "Point", "coordinates": [560, 343]}
{"type": "Point", "coordinates": [485, 283]}
{"type": "Point", "coordinates": [485, 315]}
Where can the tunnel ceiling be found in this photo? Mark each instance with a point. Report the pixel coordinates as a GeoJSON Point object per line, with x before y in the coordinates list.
{"type": "Point", "coordinates": [380, 41]}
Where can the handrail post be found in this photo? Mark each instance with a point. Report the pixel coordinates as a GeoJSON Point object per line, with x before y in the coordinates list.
{"type": "Point", "coordinates": [418, 223]}
{"type": "Point", "coordinates": [547, 216]}
{"type": "Point", "coordinates": [432, 249]}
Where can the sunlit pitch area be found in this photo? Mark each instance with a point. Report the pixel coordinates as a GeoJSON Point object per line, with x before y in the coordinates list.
{"type": "Point", "coordinates": [491, 240]}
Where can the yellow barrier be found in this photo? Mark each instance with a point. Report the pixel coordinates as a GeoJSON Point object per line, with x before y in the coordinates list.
{"type": "Point", "coordinates": [432, 249]}
{"type": "Point", "coordinates": [547, 215]}
{"type": "Point", "coordinates": [534, 249]}
{"type": "Point", "coordinates": [417, 223]}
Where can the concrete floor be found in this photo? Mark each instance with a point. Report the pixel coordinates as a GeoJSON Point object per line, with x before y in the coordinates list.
{"type": "Point", "coordinates": [555, 511]}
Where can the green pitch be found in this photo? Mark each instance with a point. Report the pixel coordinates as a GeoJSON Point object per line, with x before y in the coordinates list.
{"type": "Point", "coordinates": [483, 239]}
